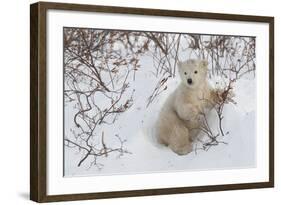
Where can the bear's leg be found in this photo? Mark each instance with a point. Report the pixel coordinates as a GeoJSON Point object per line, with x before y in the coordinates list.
{"type": "Point", "coordinates": [172, 132]}
{"type": "Point", "coordinates": [180, 141]}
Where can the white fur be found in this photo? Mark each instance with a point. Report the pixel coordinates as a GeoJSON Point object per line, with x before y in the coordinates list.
{"type": "Point", "coordinates": [178, 123]}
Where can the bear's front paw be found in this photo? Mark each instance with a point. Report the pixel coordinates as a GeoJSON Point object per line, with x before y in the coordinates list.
{"type": "Point", "coordinates": [191, 113]}
{"type": "Point", "coordinates": [183, 150]}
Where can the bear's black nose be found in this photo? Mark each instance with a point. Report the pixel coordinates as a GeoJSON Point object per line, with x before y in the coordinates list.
{"type": "Point", "coordinates": [189, 81]}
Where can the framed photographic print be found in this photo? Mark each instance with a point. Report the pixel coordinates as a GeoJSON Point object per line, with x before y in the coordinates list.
{"type": "Point", "coordinates": [133, 102]}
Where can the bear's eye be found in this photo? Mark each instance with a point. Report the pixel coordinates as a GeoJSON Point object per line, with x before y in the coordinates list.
{"type": "Point", "coordinates": [195, 71]}
{"type": "Point", "coordinates": [185, 73]}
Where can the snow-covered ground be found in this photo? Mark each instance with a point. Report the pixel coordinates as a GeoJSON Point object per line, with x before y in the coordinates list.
{"type": "Point", "coordinates": [137, 126]}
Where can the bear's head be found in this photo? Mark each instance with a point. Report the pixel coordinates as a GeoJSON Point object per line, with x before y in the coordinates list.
{"type": "Point", "coordinates": [193, 72]}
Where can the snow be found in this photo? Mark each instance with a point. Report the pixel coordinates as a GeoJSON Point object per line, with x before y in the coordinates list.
{"type": "Point", "coordinates": [137, 126]}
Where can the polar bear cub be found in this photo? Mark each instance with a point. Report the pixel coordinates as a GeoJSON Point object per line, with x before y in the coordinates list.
{"type": "Point", "coordinates": [179, 123]}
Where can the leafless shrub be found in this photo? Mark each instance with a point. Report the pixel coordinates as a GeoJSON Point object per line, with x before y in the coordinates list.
{"type": "Point", "coordinates": [165, 50]}
{"type": "Point", "coordinates": [228, 56]}
{"type": "Point", "coordinates": [223, 96]}
{"type": "Point", "coordinates": [98, 64]}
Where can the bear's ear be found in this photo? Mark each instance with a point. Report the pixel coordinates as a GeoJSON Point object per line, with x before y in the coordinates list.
{"type": "Point", "coordinates": [204, 63]}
